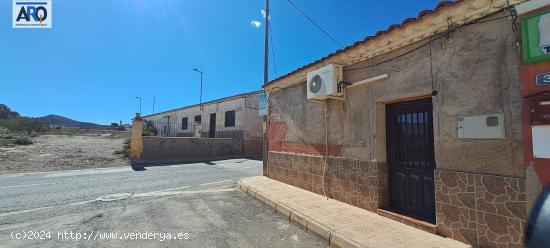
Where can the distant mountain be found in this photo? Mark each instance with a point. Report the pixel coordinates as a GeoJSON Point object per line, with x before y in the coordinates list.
{"type": "Point", "coordinates": [60, 121]}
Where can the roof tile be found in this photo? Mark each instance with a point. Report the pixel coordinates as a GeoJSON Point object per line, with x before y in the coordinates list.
{"type": "Point", "coordinates": [422, 13]}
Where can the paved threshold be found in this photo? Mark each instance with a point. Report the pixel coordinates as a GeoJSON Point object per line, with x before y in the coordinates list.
{"type": "Point", "coordinates": [343, 225]}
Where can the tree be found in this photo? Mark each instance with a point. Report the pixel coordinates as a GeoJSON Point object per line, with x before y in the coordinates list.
{"type": "Point", "coordinates": [25, 124]}
{"type": "Point", "coordinates": [5, 112]}
{"type": "Point", "coordinates": [15, 122]}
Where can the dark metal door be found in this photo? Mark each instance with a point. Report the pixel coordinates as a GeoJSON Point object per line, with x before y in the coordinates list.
{"type": "Point", "coordinates": [212, 133]}
{"type": "Point", "coordinates": [411, 159]}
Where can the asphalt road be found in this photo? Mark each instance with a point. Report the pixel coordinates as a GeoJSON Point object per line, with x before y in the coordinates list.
{"type": "Point", "coordinates": [192, 205]}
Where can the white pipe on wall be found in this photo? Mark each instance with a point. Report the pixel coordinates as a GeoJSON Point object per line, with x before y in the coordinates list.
{"type": "Point", "coordinates": [368, 80]}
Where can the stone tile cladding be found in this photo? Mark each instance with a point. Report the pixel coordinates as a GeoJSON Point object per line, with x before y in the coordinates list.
{"type": "Point", "coordinates": [359, 183]}
{"type": "Point", "coordinates": [482, 210]}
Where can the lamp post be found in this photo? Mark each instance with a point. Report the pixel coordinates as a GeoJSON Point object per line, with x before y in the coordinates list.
{"type": "Point", "coordinates": [137, 97]}
{"type": "Point", "coordinates": [200, 97]}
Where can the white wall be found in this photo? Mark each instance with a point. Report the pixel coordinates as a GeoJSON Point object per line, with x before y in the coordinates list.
{"type": "Point", "coordinates": [243, 112]}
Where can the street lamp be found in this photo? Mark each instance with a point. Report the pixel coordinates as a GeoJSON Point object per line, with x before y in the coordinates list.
{"type": "Point", "coordinates": [137, 97]}
{"type": "Point", "coordinates": [200, 98]}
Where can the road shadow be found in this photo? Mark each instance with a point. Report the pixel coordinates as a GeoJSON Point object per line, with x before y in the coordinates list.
{"type": "Point", "coordinates": [137, 167]}
{"type": "Point", "coordinates": [141, 164]}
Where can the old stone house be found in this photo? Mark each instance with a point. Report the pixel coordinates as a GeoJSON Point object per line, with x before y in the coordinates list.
{"type": "Point", "coordinates": [230, 117]}
{"type": "Point", "coordinates": [424, 124]}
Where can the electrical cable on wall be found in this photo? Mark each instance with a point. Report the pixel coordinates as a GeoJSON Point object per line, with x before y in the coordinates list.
{"type": "Point", "coordinates": [432, 72]}
{"type": "Point", "coordinates": [272, 50]}
{"type": "Point", "coordinates": [451, 28]}
{"type": "Point", "coordinates": [513, 15]}
{"type": "Point", "coordinates": [398, 56]}
{"type": "Point", "coordinates": [326, 150]}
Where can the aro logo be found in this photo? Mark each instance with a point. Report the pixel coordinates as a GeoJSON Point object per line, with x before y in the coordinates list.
{"type": "Point", "coordinates": [32, 14]}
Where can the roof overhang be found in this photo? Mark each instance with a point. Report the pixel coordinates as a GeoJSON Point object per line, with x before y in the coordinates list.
{"type": "Point", "coordinates": [427, 24]}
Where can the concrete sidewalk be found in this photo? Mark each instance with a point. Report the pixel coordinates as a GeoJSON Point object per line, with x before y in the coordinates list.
{"type": "Point", "coordinates": [343, 225]}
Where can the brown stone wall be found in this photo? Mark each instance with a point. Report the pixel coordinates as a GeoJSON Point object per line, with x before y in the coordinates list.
{"type": "Point", "coordinates": [359, 183]}
{"type": "Point", "coordinates": [479, 209]}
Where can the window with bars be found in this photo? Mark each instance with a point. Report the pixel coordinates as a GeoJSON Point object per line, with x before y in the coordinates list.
{"type": "Point", "coordinates": [184, 123]}
{"type": "Point", "coordinates": [230, 118]}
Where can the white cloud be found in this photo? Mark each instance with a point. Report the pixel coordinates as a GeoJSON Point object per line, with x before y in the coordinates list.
{"type": "Point", "coordinates": [255, 23]}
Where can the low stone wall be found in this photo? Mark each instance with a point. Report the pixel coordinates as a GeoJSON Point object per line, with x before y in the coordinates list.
{"type": "Point", "coordinates": [253, 148]}
{"type": "Point", "coordinates": [359, 183]}
{"type": "Point", "coordinates": [235, 134]}
{"type": "Point", "coordinates": [163, 150]}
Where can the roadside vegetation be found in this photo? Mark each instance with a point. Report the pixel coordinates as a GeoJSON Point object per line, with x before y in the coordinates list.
{"type": "Point", "coordinates": [149, 130]}
{"type": "Point", "coordinates": [23, 141]}
{"type": "Point", "coordinates": [20, 130]}
{"type": "Point", "coordinates": [125, 150]}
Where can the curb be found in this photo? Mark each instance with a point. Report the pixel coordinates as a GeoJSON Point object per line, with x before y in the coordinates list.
{"type": "Point", "coordinates": [304, 222]}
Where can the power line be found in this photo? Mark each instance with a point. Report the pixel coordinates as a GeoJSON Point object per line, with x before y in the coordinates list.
{"type": "Point", "coordinates": [272, 50]}
{"type": "Point", "coordinates": [398, 56]}
{"type": "Point", "coordinates": [451, 28]}
{"type": "Point", "coordinates": [315, 24]}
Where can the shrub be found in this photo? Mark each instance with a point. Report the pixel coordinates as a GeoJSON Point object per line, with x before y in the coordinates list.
{"type": "Point", "coordinates": [122, 151]}
{"type": "Point", "coordinates": [65, 131]}
{"type": "Point", "coordinates": [25, 124]}
{"type": "Point", "coordinates": [125, 149]}
{"type": "Point", "coordinates": [149, 130]}
{"type": "Point", "coordinates": [7, 136]}
{"type": "Point", "coordinates": [23, 141]}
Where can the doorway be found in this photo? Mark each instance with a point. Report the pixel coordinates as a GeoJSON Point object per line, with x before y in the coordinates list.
{"type": "Point", "coordinates": [411, 159]}
{"type": "Point", "coordinates": [212, 131]}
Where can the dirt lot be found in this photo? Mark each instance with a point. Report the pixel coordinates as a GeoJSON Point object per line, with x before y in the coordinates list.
{"type": "Point", "coordinates": [62, 152]}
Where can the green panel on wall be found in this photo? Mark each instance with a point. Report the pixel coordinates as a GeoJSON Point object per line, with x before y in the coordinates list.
{"type": "Point", "coordinates": [532, 29]}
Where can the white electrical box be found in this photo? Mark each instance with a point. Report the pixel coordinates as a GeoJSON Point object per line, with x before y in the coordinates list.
{"type": "Point", "coordinates": [490, 126]}
{"type": "Point", "coordinates": [541, 141]}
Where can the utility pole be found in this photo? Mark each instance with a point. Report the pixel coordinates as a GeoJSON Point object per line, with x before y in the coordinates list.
{"type": "Point", "coordinates": [266, 80]}
{"type": "Point", "coordinates": [266, 43]}
{"type": "Point", "coordinates": [154, 99]}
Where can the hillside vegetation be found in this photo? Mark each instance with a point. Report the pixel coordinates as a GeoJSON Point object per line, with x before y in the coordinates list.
{"type": "Point", "coordinates": [15, 126]}
{"type": "Point", "coordinates": [21, 128]}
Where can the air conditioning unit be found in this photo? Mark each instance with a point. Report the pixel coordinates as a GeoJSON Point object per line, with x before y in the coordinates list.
{"type": "Point", "coordinates": [323, 81]}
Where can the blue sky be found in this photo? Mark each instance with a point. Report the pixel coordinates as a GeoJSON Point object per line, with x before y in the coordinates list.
{"type": "Point", "coordinates": [100, 54]}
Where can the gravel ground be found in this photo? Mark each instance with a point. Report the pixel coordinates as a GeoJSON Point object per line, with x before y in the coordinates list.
{"type": "Point", "coordinates": [62, 152]}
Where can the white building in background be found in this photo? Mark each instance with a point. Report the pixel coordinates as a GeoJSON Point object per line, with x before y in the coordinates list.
{"type": "Point", "coordinates": [230, 117]}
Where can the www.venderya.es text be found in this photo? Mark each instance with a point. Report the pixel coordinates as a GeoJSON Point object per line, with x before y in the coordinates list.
{"type": "Point", "coordinates": [97, 235]}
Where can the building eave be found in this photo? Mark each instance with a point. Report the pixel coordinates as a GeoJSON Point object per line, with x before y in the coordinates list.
{"type": "Point", "coordinates": [225, 99]}
{"type": "Point", "coordinates": [428, 23]}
